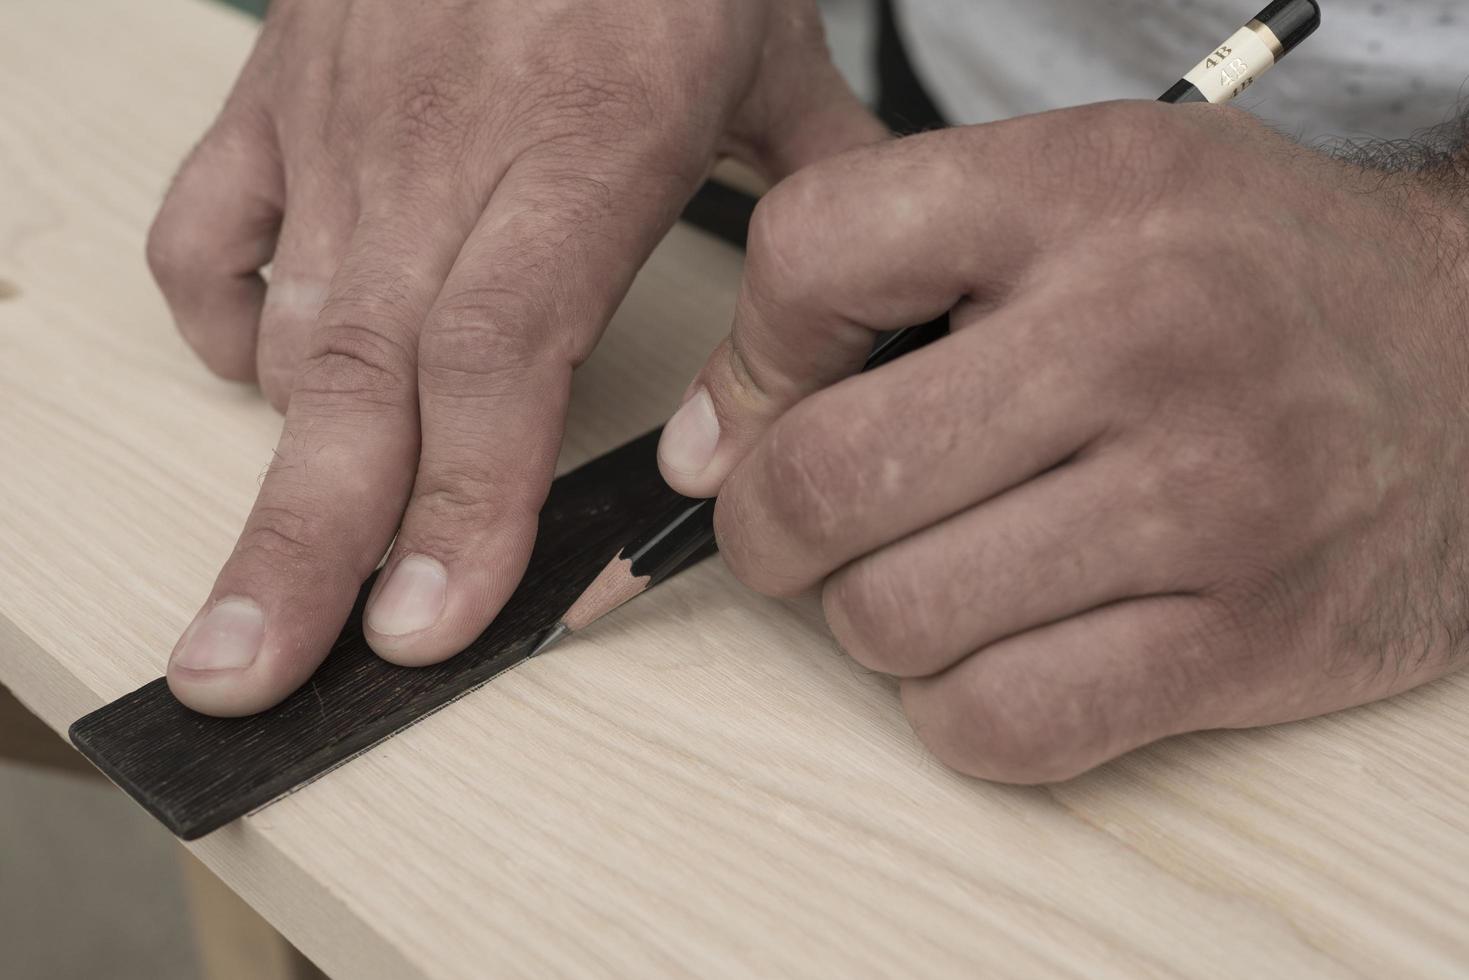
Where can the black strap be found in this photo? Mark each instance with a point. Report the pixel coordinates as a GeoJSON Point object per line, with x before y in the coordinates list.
{"type": "Point", "coordinates": [903, 102]}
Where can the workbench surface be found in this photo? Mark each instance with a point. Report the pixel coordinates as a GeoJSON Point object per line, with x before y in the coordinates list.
{"type": "Point", "coordinates": [702, 784]}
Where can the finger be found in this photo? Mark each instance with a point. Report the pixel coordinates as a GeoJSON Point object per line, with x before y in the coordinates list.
{"type": "Point", "coordinates": [339, 481]}
{"type": "Point", "coordinates": [819, 117]}
{"type": "Point", "coordinates": [1077, 538]}
{"type": "Point", "coordinates": [880, 456]}
{"type": "Point", "coordinates": [823, 120]}
{"type": "Point", "coordinates": [882, 238]}
{"type": "Point", "coordinates": [215, 230]}
{"type": "Point", "coordinates": [532, 289]}
{"type": "Point", "coordinates": [835, 253]}
{"type": "Point", "coordinates": [1054, 702]}
{"type": "Point", "coordinates": [314, 237]}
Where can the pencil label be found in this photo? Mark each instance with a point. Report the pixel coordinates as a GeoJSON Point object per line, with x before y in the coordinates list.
{"type": "Point", "coordinates": [1233, 66]}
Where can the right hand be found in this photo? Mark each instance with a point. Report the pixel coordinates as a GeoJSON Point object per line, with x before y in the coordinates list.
{"type": "Point", "coordinates": [1190, 458]}
{"type": "Point", "coordinates": [453, 199]}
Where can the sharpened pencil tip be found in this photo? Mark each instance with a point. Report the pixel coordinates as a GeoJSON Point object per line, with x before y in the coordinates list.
{"type": "Point", "coordinates": [551, 637]}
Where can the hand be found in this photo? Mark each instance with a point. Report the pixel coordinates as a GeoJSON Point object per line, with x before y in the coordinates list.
{"type": "Point", "coordinates": [1193, 457]}
{"type": "Point", "coordinates": [453, 198]}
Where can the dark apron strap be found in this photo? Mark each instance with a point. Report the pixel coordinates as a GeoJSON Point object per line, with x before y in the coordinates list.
{"type": "Point", "coordinates": [903, 103]}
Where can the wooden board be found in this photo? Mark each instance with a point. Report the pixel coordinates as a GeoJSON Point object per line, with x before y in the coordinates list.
{"type": "Point", "coordinates": [700, 786]}
{"type": "Point", "coordinates": [196, 773]}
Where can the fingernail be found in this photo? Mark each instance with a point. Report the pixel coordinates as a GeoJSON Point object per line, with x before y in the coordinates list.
{"type": "Point", "coordinates": [227, 638]}
{"type": "Point", "coordinates": [691, 436]}
{"type": "Point", "coordinates": [413, 599]}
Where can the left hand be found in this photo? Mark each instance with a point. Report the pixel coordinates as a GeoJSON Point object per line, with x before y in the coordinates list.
{"type": "Point", "coordinates": [1194, 457]}
{"type": "Point", "coordinates": [453, 198]}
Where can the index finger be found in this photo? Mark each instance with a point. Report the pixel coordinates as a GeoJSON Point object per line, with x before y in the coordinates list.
{"type": "Point", "coordinates": [337, 486]}
{"type": "Point", "coordinates": [531, 290]}
{"type": "Point", "coordinates": [879, 239]}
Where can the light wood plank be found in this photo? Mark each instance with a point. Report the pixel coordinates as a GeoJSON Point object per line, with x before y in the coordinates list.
{"type": "Point", "coordinates": [700, 786]}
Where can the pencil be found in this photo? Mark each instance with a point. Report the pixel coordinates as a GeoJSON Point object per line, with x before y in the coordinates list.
{"type": "Point", "coordinates": [666, 544]}
{"type": "Point", "coordinates": [1252, 51]}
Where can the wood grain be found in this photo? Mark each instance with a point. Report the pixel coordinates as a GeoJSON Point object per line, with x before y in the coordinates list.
{"type": "Point", "coordinates": [234, 943]}
{"type": "Point", "coordinates": [196, 773]}
{"type": "Point", "coordinates": [701, 785]}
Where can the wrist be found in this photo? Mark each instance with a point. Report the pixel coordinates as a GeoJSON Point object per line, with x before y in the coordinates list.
{"type": "Point", "coordinates": [1434, 171]}
{"type": "Point", "coordinates": [1448, 187]}
{"type": "Point", "coordinates": [1408, 201]}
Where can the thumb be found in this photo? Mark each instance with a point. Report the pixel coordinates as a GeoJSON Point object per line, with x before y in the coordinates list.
{"type": "Point", "coordinates": [839, 252]}
{"type": "Point", "coordinates": [823, 120]}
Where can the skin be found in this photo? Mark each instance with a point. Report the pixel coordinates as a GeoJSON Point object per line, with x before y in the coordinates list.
{"type": "Point", "coordinates": [1193, 456]}
{"type": "Point", "coordinates": [1190, 459]}
{"type": "Point", "coordinates": [452, 198]}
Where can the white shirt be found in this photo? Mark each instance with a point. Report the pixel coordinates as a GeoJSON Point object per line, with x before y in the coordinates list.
{"type": "Point", "coordinates": [1384, 69]}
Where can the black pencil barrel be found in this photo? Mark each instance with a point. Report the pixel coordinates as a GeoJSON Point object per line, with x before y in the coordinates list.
{"type": "Point", "coordinates": [661, 549]}
{"type": "Point", "coordinates": [1292, 21]}
{"type": "Point", "coordinates": [1249, 53]}
{"type": "Point", "coordinates": [1183, 91]}
{"type": "Point", "coordinates": [689, 526]}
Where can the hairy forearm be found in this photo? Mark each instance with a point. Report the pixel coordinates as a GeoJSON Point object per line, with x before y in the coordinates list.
{"type": "Point", "coordinates": [1440, 154]}
{"type": "Point", "coordinates": [1426, 178]}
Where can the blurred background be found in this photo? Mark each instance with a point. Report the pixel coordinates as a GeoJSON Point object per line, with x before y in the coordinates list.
{"type": "Point", "coordinates": [90, 885]}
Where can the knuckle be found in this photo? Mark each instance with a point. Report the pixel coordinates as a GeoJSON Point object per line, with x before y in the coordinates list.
{"type": "Point", "coordinates": [573, 197]}
{"type": "Point", "coordinates": [470, 490]}
{"type": "Point", "coordinates": [1164, 334]}
{"type": "Point", "coordinates": [482, 333]}
{"type": "Point", "coordinates": [355, 363]}
{"type": "Point", "coordinates": [453, 510]}
{"type": "Point", "coordinates": [1246, 493]}
{"type": "Point", "coordinates": [456, 498]}
{"type": "Point", "coordinates": [1030, 752]}
{"type": "Point", "coordinates": [778, 516]}
{"type": "Point", "coordinates": [1190, 284]}
{"type": "Point", "coordinates": [1190, 470]}
{"type": "Point", "coordinates": [744, 535]}
{"type": "Point", "coordinates": [170, 258]}
{"type": "Point", "coordinates": [182, 242]}
{"type": "Point", "coordinates": [874, 615]}
{"type": "Point", "coordinates": [277, 537]}
{"type": "Point", "coordinates": [779, 256]}
{"type": "Point", "coordinates": [1009, 733]}
{"type": "Point", "coordinates": [806, 467]}
{"type": "Point", "coordinates": [1173, 488]}
{"type": "Point", "coordinates": [178, 270]}
{"type": "Point", "coordinates": [1229, 479]}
